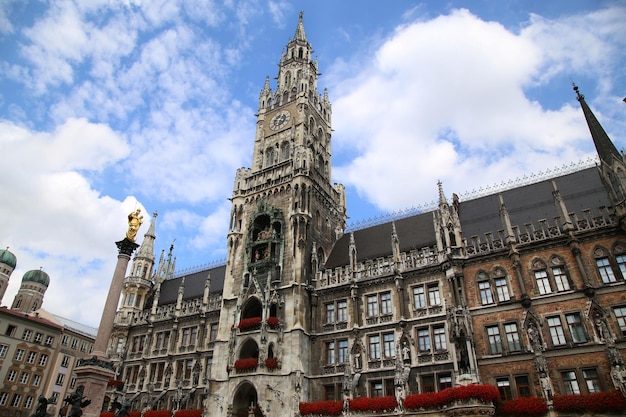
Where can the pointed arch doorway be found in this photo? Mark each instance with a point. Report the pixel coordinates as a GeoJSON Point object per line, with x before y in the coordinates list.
{"type": "Point", "coordinates": [245, 401]}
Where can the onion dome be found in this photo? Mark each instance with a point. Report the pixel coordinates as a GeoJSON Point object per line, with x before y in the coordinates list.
{"type": "Point", "coordinates": [38, 276]}
{"type": "Point", "coordinates": [7, 258]}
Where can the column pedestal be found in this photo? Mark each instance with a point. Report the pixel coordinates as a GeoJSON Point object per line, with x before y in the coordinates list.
{"type": "Point", "coordinates": [94, 373]}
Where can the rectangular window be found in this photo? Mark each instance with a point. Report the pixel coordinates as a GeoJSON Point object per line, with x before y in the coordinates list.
{"type": "Point", "coordinates": [330, 313]}
{"type": "Point", "coordinates": [374, 344]}
{"type": "Point", "coordinates": [60, 378]}
{"type": "Point", "coordinates": [485, 292]}
{"type": "Point", "coordinates": [43, 358]}
{"type": "Point", "coordinates": [576, 327]}
{"type": "Point", "coordinates": [389, 346]}
{"type": "Point", "coordinates": [28, 402]}
{"type": "Point", "coordinates": [212, 336]}
{"type": "Point", "coordinates": [556, 331]}
{"type": "Point", "coordinates": [621, 262]}
{"type": "Point", "coordinates": [605, 270]}
{"type": "Point", "coordinates": [49, 340]}
{"type": "Point", "coordinates": [12, 375]}
{"type": "Point", "coordinates": [38, 338]}
{"type": "Point", "coordinates": [27, 335]}
{"type": "Point", "coordinates": [17, 398]}
{"type": "Point", "coordinates": [32, 356]}
{"type": "Point", "coordinates": [10, 330]}
{"type": "Point", "coordinates": [445, 381]}
{"type": "Point", "coordinates": [502, 289]}
{"type": "Point", "coordinates": [439, 338]}
{"type": "Point", "coordinates": [620, 314]}
{"type": "Point", "coordinates": [570, 382]}
{"type": "Point", "coordinates": [523, 386]}
{"type": "Point", "coordinates": [342, 311]}
{"type": "Point", "coordinates": [495, 342]}
{"type": "Point", "coordinates": [434, 298]}
{"type": "Point", "coordinates": [423, 340]}
{"type": "Point", "coordinates": [512, 337]}
{"type": "Point", "coordinates": [83, 346]}
{"type": "Point", "coordinates": [562, 283]}
{"type": "Point", "coordinates": [24, 378]}
{"type": "Point", "coordinates": [342, 351]}
{"type": "Point", "coordinates": [372, 306]}
{"type": "Point", "coordinates": [192, 339]}
{"type": "Point", "coordinates": [543, 282]}
{"type": "Point", "coordinates": [330, 353]}
{"type": "Point", "coordinates": [504, 387]}
{"type": "Point", "coordinates": [36, 380]}
{"type": "Point", "coordinates": [73, 382]}
{"type": "Point", "coordinates": [329, 393]}
{"type": "Point", "coordinates": [65, 340]}
{"type": "Point", "coordinates": [419, 299]}
{"type": "Point", "coordinates": [376, 389]}
{"type": "Point", "coordinates": [186, 334]}
{"type": "Point", "coordinates": [385, 303]}
{"type": "Point", "coordinates": [3, 350]}
{"type": "Point", "coordinates": [65, 362]}
{"type": "Point", "coordinates": [592, 381]}
{"type": "Point", "coordinates": [428, 383]}
{"type": "Point", "coordinates": [19, 355]}
{"type": "Point", "coordinates": [3, 398]}
{"type": "Point", "coordinates": [74, 344]}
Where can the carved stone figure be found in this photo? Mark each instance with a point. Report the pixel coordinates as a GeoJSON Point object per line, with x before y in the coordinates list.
{"type": "Point", "coordinates": [77, 401]}
{"type": "Point", "coordinates": [42, 407]}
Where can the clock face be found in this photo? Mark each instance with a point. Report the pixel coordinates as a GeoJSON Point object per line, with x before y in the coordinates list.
{"type": "Point", "coordinates": [280, 120]}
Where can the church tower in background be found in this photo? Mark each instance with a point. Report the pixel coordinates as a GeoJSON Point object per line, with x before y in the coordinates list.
{"type": "Point", "coordinates": [286, 215]}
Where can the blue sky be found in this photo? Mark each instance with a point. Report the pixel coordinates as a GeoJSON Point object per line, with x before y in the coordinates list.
{"type": "Point", "coordinates": [110, 105]}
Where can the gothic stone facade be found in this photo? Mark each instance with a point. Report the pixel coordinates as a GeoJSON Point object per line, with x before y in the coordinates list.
{"type": "Point", "coordinates": [522, 288]}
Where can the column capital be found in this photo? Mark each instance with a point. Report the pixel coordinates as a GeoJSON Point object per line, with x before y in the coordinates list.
{"type": "Point", "coordinates": [126, 246]}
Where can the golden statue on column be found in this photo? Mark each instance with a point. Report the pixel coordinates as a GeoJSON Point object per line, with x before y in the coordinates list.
{"type": "Point", "coordinates": [134, 223]}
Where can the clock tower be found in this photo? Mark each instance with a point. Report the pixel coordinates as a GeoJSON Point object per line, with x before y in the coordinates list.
{"type": "Point", "coordinates": [286, 215]}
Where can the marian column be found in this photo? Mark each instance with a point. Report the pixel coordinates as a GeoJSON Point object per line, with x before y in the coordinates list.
{"type": "Point", "coordinates": [94, 374]}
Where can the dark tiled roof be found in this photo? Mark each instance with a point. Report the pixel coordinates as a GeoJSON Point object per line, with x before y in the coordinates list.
{"type": "Point", "coordinates": [194, 285]}
{"type": "Point", "coordinates": [580, 190]}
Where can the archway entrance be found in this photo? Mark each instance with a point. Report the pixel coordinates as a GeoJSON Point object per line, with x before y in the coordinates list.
{"type": "Point", "coordinates": [245, 401]}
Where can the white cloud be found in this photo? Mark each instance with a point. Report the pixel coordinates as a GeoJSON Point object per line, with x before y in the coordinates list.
{"type": "Point", "coordinates": [445, 99]}
{"type": "Point", "coordinates": [49, 208]}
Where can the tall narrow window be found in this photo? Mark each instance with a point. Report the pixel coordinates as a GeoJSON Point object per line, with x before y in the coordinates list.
{"type": "Point", "coordinates": [495, 342]}
{"type": "Point", "coordinates": [605, 270]}
{"type": "Point", "coordinates": [592, 381]}
{"type": "Point", "coordinates": [342, 351]}
{"type": "Point", "coordinates": [570, 382]}
{"type": "Point", "coordinates": [502, 289]}
{"type": "Point", "coordinates": [389, 345]}
{"type": "Point", "coordinates": [439, 338]}
{"type": "Point", "coordinates": [423, 340]}
{"type": "Point", "coordinates": [330, 313]}
{"type": "Point", "coordinates": [372, 305]}
{"type": "Point", "coordinates": [562, 283]}
{"type": "Point", "coordinates": [504, 387]}
{"type": "Point", "coordinates": [374, 344]}
{"type": "Point", "coordinates": [543, 282]}
{"type": "Point", "coordinates": [621, 263]}
{"type": "Point", "coordinates": [434, 297]}
{"type": "Point", "coordinates": [485, 292]}
{"type": "Point", "coordinates": [512, 337]}
{"type": "Point", "coordinates": [523, 386]}
{"type": "Point", "coordinates": [620, 315]}
{"type": "Point", "coordinates": [330, 353]}
{"type": "Point", "coordinates": [556, 331]}
{"type": "Point", "coordinates": [342, 311]}
{"type": "Point", "coordinates": [419, 299]}
{"type": "Point", "coordinates": [576, 328]}
{"type": "Point", "coordinates": [385, 303]}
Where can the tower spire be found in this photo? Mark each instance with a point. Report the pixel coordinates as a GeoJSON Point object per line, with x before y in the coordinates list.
{"type": "Point", "coordinates": [300, 35]}
{"type": "Point", "coordinates": [604, 146]}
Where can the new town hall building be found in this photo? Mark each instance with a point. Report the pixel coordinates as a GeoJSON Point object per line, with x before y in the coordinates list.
{"type": "Point", "coordinates": [523, 289]}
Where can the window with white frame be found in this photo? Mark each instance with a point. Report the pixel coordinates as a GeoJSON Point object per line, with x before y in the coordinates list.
{"type": "Point", "coordinates": [592, 380]}
{"type": "Point", "coordinates": [374, 347]}
{"type": "Point", "coordinates": [570, 382]}
{"type": "Point", "coordinates": [543, 282]}
{"type": "Point", "coordinates": [439, 338]}
{"type": "Point", "coordinates": [389, 346]}
{"type": "Point", "coordinates": [560, 278]}
{"type": "Point", "coordinates": [4, 397]}
{"type": "Point", "coordinates": [3, 350]}
{"type": "Point", "coordinates": [43, 359]}
{"type": "Point", "coordinates": [502, 289]}
{"type": "Point", "coordinates": [60, 379]}
{"type": "Point", "coordinates": [15, 401]}
{"type": "Point", "coordinates": [434, 297]}
{"type": "Point", "coordinates": [486, 296]}
{"type": "Point", "coordinates": [379, 304]}
{"type": "Point", "coordinates": [49, 340]}
{"type": "Point", "coordinates": [556, 331]}
{"type": "Point", "coordinates": [36, 380]}
{"type": "Point", "coordinates": [28, 402]}
{"type": "Point", "coordinates": [32, 356]}
{"type": "Point", "coordinates": [212, 334]}
{"type": "Point", "coordinates": [604, 266]}
{"type": "Point", "coordinates": [336, 312]}
{"type": "Point", "coordinates": [423, 340]}
{"type": "Point", "coordinates": [432, 338]}
{"type": "Point", "coordinates": [12, 375]}
{"type": "Point", "coordinates": [24, 378]}
{"type": "Point", "coordinates": [65, 362]}
{"type": "Point", "coordinates": [336, 351]}
{"type": "Point", "coordinates": [512, 337]}
{"type": "Point", "coordinates": [38, 337]}
{"type": "Point", "coordinates": [576, 328]}
{"type": "Point", "coordinates": [19, 355]}
{"type": "Point", "coordinates": [27, 335]}
{"type": "Point", "coordinates": [65, 340]}
{"type": "Point", "coordinates": [419, 297]}
{"type": "Point", "coordinates": [620, 315]}
{"type": "Point", "coordinates": [494, 339]}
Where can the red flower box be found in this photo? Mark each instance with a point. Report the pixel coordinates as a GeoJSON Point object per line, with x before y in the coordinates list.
{"type": "Point", "coordinates": [249, 323]}
{"type": "Point", "coordinates": [273, 321]}
{"type": "Point", "coordinates": [107, 414]}
{"type": "Point", "coordinates": [599, 402]}
{"type": "Point", "coordinates": [524, 406]}
{"type": "Point", "coordinates": [188, 413]}
{"type": "Point", "coordinates": [158, 413]}
{"type": "Point", "coordinates": [135, 414]}
{"type": "Point", "coordinates": [246, 364]}
{"type": "Point", "coordinates": [375, 404]}
{"type": "Point", "coordinates": [326, 408]}
{"type": "Point", "coordinates": [271, 363]}
{"type": "Point", "coordinates": [115, 383]}
{"type": "Point", "coordinates": [427, 401]}
{"type": "Point", "coordinates": [432, 400]}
